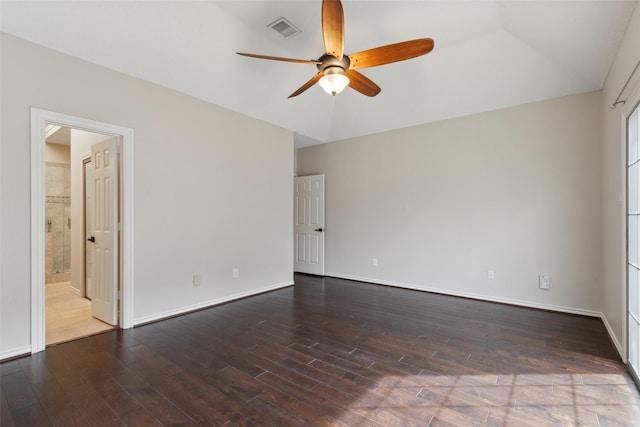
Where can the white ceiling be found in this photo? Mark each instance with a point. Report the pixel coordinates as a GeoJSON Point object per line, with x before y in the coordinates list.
{"type": "Point", "coordinates": [488, 54]}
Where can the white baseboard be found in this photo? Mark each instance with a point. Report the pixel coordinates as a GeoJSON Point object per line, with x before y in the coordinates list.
{"type": "Point", "coordinates": [488, 298]}
{"type": "Point", "coordinates": [614, 339]}
{"type": "Point", "coordinates": [207, 304]}
{"type": "Point", "coordinates": [20, 351]}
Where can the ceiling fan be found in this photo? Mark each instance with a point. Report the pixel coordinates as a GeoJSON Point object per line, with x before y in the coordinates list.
{"type": "Point", "coordinates": [337, 70]}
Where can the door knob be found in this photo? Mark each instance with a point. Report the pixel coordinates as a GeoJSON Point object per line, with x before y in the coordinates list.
{"type": "Point", "coordinates": [318, 229]}
{"type": "Point", "coordinates": [92, 239]}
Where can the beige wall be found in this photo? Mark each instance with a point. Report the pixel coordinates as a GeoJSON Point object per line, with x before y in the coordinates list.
{"type": "Point", "coordinates": [516, 191]}
{"type": "Point", "coordinates": [613, 154]}
{"type": "Point", "coordinates": [202, 175]}
{"type": "Point", "coordinates": [57, 153]}
{"type": "Point", "coordinates": [523, 191]}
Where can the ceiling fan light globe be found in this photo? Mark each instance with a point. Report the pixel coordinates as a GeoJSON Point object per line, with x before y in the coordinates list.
{"type": "Point", "coordinates": [334, 83]}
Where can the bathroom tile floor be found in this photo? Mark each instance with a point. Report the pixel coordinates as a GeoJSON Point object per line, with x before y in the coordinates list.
{"type": "Point", "coordinates": [68, 316]}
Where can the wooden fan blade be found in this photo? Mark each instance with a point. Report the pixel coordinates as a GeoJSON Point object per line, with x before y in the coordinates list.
{"type": "Point", "coordinates": [333, 27]}
{"type": "Point", "coordinates": [307, 85]}
{"type": "Point", "coordinates": [362, 84]}
{"type": "Point", "coordinates": [277, 58]}
{"type": "Point", "coordinates": [391, 53]}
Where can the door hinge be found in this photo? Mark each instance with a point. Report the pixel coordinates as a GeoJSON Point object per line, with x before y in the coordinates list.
{"type": "Point", "coordinates": [118, 226]}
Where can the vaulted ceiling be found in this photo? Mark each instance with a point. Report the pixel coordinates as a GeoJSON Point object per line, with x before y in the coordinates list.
{"type": "Point", "coordinates": [488, 54]}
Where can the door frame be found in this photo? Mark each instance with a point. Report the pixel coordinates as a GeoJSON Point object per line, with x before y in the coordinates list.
{"type": "Point", "coordinates": [631, 103]}
{"type": "Point", "coordinates": [39, 119]}
{"type": "Point", "coordinates": [84, 158]}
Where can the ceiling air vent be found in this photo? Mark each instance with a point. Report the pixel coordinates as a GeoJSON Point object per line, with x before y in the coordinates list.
{"type": "Point", "coordinates": [284, 27]}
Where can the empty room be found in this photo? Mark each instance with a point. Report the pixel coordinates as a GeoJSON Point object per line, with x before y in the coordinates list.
{"type": "Point", "coordinates": [325, 213]}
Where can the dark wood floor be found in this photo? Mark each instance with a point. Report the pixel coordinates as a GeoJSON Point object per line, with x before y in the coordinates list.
{"type": "Point", "coordinates": [330, 352]}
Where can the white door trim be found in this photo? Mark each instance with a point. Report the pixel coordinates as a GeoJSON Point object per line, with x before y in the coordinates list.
{"type": "Point", "coordinates": [39, 118]}
{"type": "Point", "coordinates": [629, 106]}
{"type": "Point", "coordinates": [83, 160]}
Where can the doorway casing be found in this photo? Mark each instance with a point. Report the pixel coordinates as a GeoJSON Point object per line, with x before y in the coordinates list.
{"type": "Point", "coordinates": [39, 118]}
{"type": "Point", "coordinates": [630, 351]}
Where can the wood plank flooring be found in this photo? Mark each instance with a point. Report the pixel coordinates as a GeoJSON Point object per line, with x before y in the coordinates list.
{"type": "Point", "coordinates": [330, 352]}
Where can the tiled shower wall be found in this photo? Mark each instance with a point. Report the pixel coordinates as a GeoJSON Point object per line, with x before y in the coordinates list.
{"type": "Point", "coordinates": [57, 222]}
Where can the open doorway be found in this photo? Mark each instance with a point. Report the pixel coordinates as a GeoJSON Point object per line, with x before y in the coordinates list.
{"type": "Point", "coordinates": [69, 251]}
{"type": "Point", "coordinates": [113, 251]}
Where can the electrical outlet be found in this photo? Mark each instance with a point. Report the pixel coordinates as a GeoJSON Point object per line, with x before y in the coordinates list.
{"type": "Point", "coordinates": [196, 280]}
{"type": "Point", "coordinates": [374, 262]}
{"type": "Point", "coordinates": [544, 282]}
{"type": "Point", "coordinates": [491, 274]}
{"type": "Point", "coordinates": [236, 273]}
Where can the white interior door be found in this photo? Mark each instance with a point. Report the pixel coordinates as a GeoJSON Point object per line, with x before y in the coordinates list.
{"type": "Point", "coordinates": [104, 300]}
{"type": "Point", "coordinates": [309, 224]}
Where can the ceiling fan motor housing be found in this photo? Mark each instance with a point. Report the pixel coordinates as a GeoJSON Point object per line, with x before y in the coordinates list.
{"type": "Point", "coordinates": [332, 65]}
